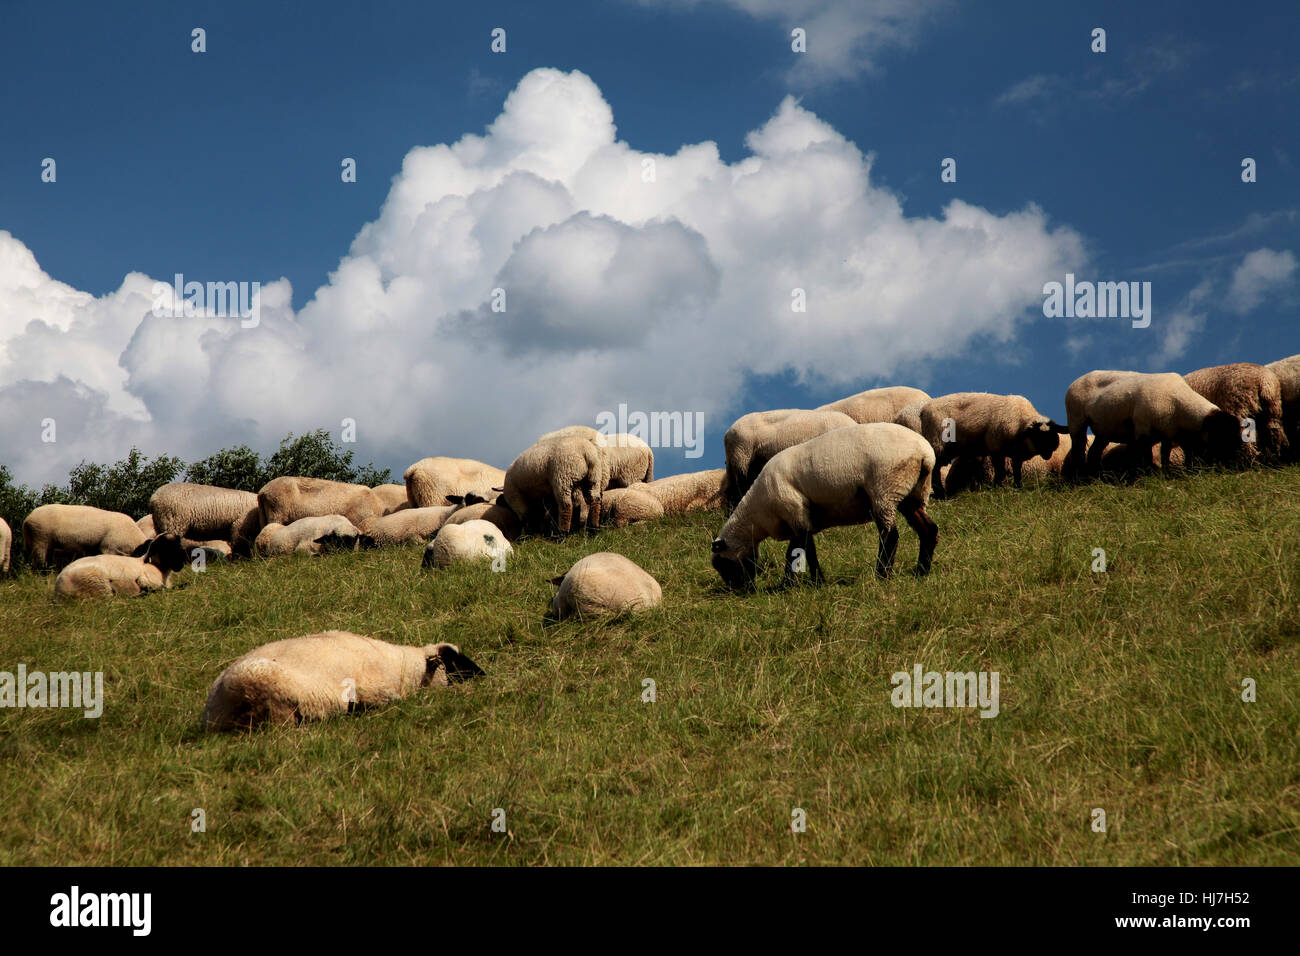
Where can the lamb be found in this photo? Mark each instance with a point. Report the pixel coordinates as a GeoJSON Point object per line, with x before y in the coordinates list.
{"type": "Point", "coordinates": [877, 404]}
{"type": "Point", "coordinates": [286, 499]}
{"type": "Point", "coordinates": [406, 524]}
{"type": "Point", "coordinates": [431, 482]}
{"type": "Point", "coordinates": [471, 541]}
{"type": "Point", "coordinates": [631, 460]}
{"type": "Point", "coordinates": [57, 534]}
{"type": "Point", "coordinates": [6, 543]}
{"type": "Point", "coordinates": [207, 512]}
{"type": "Point", "coordinates": [311, 678]}
{"type": "Point", "coordinates": [392, 497]}
{"type": "Point", "coordinates": [844, 477]}
{"type": "Point", "coordinates": [604, 583]}
{"type": "Point", "coordinates": [495, 511]}
{"type": "Point", "coordinates": [1287, 371]}
{"type": "Point", "coordinates": [1251, 391]}
{"type": "Point", "coordinates": [314, 536]}
{"type": "Point", "coordinates": [105, 575]}
{"type": "Point", "coordinates": [979, 423]}
{"type": "Point", "coordinates": [1144, 409]}
{"type": "Point", "coordinates": [569, 472]}
{"type": "Point", "coordinates": [754, 439]}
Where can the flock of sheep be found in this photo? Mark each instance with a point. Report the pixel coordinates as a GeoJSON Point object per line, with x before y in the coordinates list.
{"type": "Point", "coordinates": [789, 474]}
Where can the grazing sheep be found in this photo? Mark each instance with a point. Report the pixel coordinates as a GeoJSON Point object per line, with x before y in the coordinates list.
{"type": "Point", "coordinates": [57, 534]}
{"type": "Point", "coordinates": [982, 424]}
{"type": "Point", "coordinates": [392, 497]}
{"type": "Point", "coordinates": [314, 536]}
{"type": "Point", "coordinates": [286, 499]}
{"type": "Point", "coordinates": [845, 477]}
{"type": "Point", "coordinates": [754, 439]}
{"type": "Point", "coordinates": [604, 583]}
{"type": "Point", "coordinates": [568, 472]}
{"type": "Point", "coordinates": [146, 525]}
{"type": "Point", "coordinates": [431, 482]}
{"type": "Point", "coordinates": [877, 404]}
{"type": "Point", "coordinates": [472, 541]}
{"type": "Point", "coordinates": [909, 416]}
{"type": "Point", "coordinates": [207, 512]}
{"type": "Point", "coordinates": [1287, 371]}
{"type": "Point", "coordinates": [407, 524]}
{"type": "Point", "coordinates": [620, 507]}
{"type": "Point", "coordinates": [104, 575]}
{"type": "Point", "coordinates": [6, 543]}
{"type": "Point", "coordinates": [1144, 409]}
{"type": "Point", "coordinates": [1246, 390]}
{"type": "Point", "coordinates": [314, 677]}
{"type": "Point", "coordinates": [495, 511]}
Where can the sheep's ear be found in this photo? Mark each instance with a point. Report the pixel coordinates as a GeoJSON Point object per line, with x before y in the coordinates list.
{"type": "Point", "coordinates": [143, 549]}
{"type": "Point", "coordinates": [556, 580]}
{"type": "Point", "coordinates": [458, 666]}
{"type": "Point", "coordinates": [1059, 429]}
{"type": "Point", "coordinates": [456, 499]}
{"type": "Point", "coordinates": [719, 545]}
{"type": "Point", "coordinates": [367, 543]}
{"type": "Point", "coordinates": [499, 489]}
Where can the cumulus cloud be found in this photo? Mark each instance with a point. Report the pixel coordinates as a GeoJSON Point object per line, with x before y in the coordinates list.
{"type": "Point", "coordinates": [662, 281]}
{"type": "Point", "coordinates": [1261, 273]}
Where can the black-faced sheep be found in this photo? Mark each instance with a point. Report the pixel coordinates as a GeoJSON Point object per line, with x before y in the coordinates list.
{"type": "Point", "coordinates": [104, 575]}
{"type": "Point", "coordinates": [1001, 427]}
{"type": "Point", "coordinates": [53, 535]}
{"type": "Point", "coordinates": [601, 584]}
{"type": "Point", "coordinates": [845, 477]}
{"type": "Point", "coordinates": [431, 482]}
{"type": "Point", "coordinates": [286, 499]}
{"type": "Point", "coordinates": [207, 512]}
{"type": "Point", "coordinates": [753, 440]}
{"type": "Point", "coordinates": [1144, 409]}
{"type": "Point", "coordinates": [315, 677]}
{"type": "Point", "coordinates": [313, 536]}
{"type": "Point", "coordinates": [476, 540]}
{"type": "Point", "coordinates": [1251, 391]}
{"type": "Point", "coordinates": [877, 404]}
{"type": "Point", "coordinates": [568, 473]}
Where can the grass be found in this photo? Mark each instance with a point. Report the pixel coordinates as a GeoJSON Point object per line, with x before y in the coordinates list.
{"type": "Point", "coordinates": [1119, 690]}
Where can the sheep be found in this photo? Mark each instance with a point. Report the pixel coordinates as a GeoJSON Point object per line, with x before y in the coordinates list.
{"type": "Point", "coordinates": [207, 512]}
{"type": "Point", "coordinates": [570, 472]}
{"type": "Point", "coordinates": [753, 439]}
{"type": "Point", "coordinates": [692, 491]}
{"type": "Point", "coordinates": [392, 498]}
{"type": "Point", "coordinates": [6, 543]}
{"type": "Point", "coordinates": [1144, 409]}
{"type": "Point", "coordinates": [285, 499]}
{"type": "Point", "coordinates": [495, 511]}
{"type": "Point", "coordinates": [979, 423]}
{"type": "Point", "coordinates": [844, 477]}
{"type": "Point", "coordinates": [431, 481]}
{"type": "Point", "coordinates": [56, 534]}
{"type": "Point", "coordinates": [105, 575]}
{"type": "Point", "coordinates": [631, 460]}
{"type": "Point", "coordinates": [216, 549]}
{"type": "Point", "coordinates": [1287, 371]}
{"type": "Point", "coordinates": [406, 524]}
{"type": "Point", "coordinates": [471, 541]}
{"type": "Point", "coordinates": [909, 416]}
{"type": "Point", "coordinates": [146, 525]}
{"type": "Point", "coordinates": [967, 471]}
{"type": "Point", "coordinates": [604, 583]}
{"type": "Point", "coordinates": [1246, 390]}
{"type": "Point", "coordinates": [1039, 469]}
{"type": "Point", "coordinates": [307, 536]}
{"type": "Point", "coordinates": [1129, 461]}
{"type": "Point", "coordinates": [311, 678]}
{"type": "Point", "coordinates": [877, 404]}
{"type": "Point", "coordinates": [623, 506]}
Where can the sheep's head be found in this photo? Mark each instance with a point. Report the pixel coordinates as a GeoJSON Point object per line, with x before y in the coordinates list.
{"type": "Point", "coordinates": [1042, 437]}
{"type": "Point", "coordinates": [1220, 435]}
{"type": "Point", "coordinates": [336, 541]}
{"type": "Point", "coordinates": [737, 566]}
{"type": "Point", "coordinates": [444, 664]}
{"type": "Point", "coordinates": [166, 552]}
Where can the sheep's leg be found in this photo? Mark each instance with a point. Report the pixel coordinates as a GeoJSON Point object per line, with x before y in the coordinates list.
{"type": "Point", "coordinates": [1078, 451]}
{"type": "Point", "coordinates": [814, 566]}
{"type": "Point", "coordinates": [888, 545]}
{"type": "Point", "coordinates": [925, 529]}
{"type": "Point", "coordinates": [1016, 464]}
{"type": "Point", "coordinates": [1000, 471]}
{"type": "Point", "coordinates": [1166, 449]}
{"type": "Point", "coordinates": [564, 504]}
{"type": "Point", "coordinates": [1094, 454]}
{"type": "Point", "coordinates": [802, 541]}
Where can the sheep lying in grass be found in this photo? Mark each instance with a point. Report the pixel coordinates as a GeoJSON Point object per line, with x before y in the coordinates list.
{"type": "Point", "coordinates": [321, 675]}
{"type": "Point", "coordinates": [6, 543]}
{"type": "Point", "coordinates": [1144, 409]}
{"type": "Point", "coordinates": [476, 540]}
{"type": "Point", "coordinates": [206, 513]}
{"type": "Point", "coordinates": [104, 575]}
{"type": "Point", "coordinates": [1039, 469]}
{"type": "Point", "coordinates": [147, 526]}
{"type": "Point", "coordinates": [753, 439]}
{"type": "Point", "coordinates": [877, 404]}
{"type": "Point", "coordinates": [57, 534]}
{"type": "Point", "coordinates": [674, 495]}
{"type": "Point", "coordinates": [406, 524]}
{"type": "Point", "coordinates": [620, 507]}
{"type": "Point", "coordinates": [494, 511]}
{"type": "Point", "coordinates": [431, 482]}
{"type": "Point", "coordinates": [568, 473]}
{"type": "Point", "coordinates": [286, 499]}
{"type": "Point", "coordinates": [1128, 462]}
{"type": "Point", "coordinates": [1287, 371]}
{"type": "Point", "coordinates": [392, 497]}
{"type": "Point", "coordinates": [1251, 391]}
{"type": "Point", "coordinates": [1000, 427]}
{"type": "Point", "coordinates": [308, 536]}
{"type": "Point", "coordinates": [847, 476]}
{"type": "Point", "coordinates": [604, 583]}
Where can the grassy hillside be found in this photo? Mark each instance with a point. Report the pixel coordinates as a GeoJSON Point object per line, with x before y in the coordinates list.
{"type": "Point", "coordinates": [1119, 690]}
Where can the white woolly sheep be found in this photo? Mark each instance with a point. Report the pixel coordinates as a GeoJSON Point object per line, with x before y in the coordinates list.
{"type": "Point", "coordinates": [980, 423]}
{"type": "Point", "coordinates": [604, 583]}
{"type": "Point", "coordinates": [472, 541]}
{"type": "Point", "coordinates": [495, 511]}
{"type": "Point", "coordinates": [692, 491]}
{"type": "Point", "coordinates": [909, 416]}
{"type": "Point", "coordinates": [308, 536]}
{"type": "Point", "coordinates": [620, 507]}
{"type": "Point", "coordinates": [877, 404]}
{"type": "Point", "coordinates": [392, 497]}
{"type": "Point", "coordinates": [1144, 409]}
{"type": "Point", "coordinates": [407, 524]}
{"type": "Point", "coordinates": [104, 575]}
{"type": "Point", "coordinates": [1287, 371]}
{"type": "Point", "coordinates": [753, 439]}
{"type": "Point", "coordinates": [631, 460]}
{"type": "Point", "coordinates": [431, 482]}
{"type": "Point", "coordinates": [286, 499]}
{"type": "Point", "coordinates": [1247, 390]}
{"type": "Point", "coordinates": [207, 512]}
{"type": "Point", "coordinates": [146, 525]}
{"type": "Point", "coordinates": [845, 477]}
{"type": "Point", "coordinates": [57, 534]}
{"type": "Point", "coordinates": [6, 543]}
{"type": "Point", "coordinates": [569, 473]}
{"type": "Point", "coordinates": [315, 677]}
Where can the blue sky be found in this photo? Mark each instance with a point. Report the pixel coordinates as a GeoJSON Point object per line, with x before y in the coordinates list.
{"type": "Point", "coordinates": [225, 165]}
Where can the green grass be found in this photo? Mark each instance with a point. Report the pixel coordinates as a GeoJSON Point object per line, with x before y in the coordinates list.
{"type": "Point", "coordinates": [1119, 690]}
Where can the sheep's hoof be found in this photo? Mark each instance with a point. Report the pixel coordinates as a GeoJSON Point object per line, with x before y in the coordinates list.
{"type": "Point", "coordinates": [920, 572]}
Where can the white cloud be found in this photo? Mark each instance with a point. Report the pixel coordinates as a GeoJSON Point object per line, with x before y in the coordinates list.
{"type": "Point", "coordinates": [1260, 274]}
{"type": "Point", "coordinates": [665, 295]}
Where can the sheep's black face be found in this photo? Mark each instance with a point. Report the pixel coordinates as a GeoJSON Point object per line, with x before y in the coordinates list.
{"type": "Point", "coordinates": [1042, 438]}
{"type": "Point", "coordinates": [1221, 435]}
{"type": "Point", "coordinates": [337, 542]}
{"type": "Point", "coordinates": [738, 570]}
{"type": "Point", "coordinates": [166, 552]}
